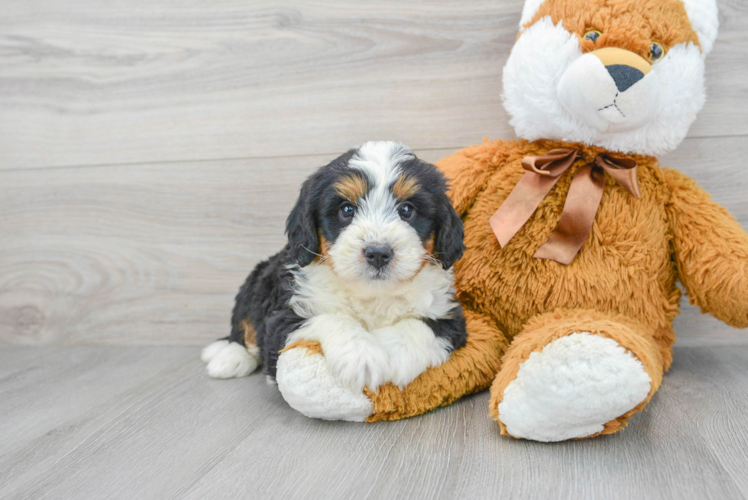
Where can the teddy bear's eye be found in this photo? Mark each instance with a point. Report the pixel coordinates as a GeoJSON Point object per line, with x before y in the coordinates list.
{"type": "Point", "coordinates": [655, 51]}
{"type": "Point", "coordinates": [592, 35]}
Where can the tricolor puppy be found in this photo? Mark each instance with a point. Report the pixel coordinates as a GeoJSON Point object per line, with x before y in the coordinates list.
{"type": "Point", "coordinates": [366, 273]}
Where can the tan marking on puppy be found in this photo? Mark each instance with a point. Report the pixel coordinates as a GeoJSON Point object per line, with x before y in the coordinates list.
{"type": "Point", "coordinates": [324, 246]}
{"type": "Point", "coordinates": [250, 335]}
{"type": "Point", "coordinates": [405, 187]}
{"type": "Point", "coordinates": [312, 347]}
{"type": "Point", "coordinates": [428, 245]}
{"type": "Point", "coordinates": [627, 24]}
{"type": "Point", "coordinates": [324, 258]}
{"type": "Point", "coordinates": [351, 187]}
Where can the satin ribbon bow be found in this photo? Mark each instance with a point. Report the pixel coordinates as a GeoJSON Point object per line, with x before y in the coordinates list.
{"type": "Point", "coordinates": [582, 201]}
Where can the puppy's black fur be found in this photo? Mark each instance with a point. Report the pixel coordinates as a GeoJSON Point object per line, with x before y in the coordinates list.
{"type": "Point", "coordinates": [263, 299]}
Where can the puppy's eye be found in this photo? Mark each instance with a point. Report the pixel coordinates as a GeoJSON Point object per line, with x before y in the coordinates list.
{"type": "Point", "coordinates": [656, 51]}
{"type": "Point", "coordinates": [347, 211]}
{"type": "Point", "coordinates": [592, 35]}
{"type": "Point", "coordinates": [406, 211]}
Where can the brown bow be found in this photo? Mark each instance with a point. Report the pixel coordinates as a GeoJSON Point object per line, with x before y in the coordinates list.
{"type": "Point", "coordinates": [582, 201]}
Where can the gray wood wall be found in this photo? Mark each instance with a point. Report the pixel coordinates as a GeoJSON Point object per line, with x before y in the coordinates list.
{"type": "Point", "coordinates": [150, 150]}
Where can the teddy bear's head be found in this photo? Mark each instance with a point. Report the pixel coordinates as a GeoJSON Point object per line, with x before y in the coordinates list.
{"type": "Point", "coordinates": [626, 75]}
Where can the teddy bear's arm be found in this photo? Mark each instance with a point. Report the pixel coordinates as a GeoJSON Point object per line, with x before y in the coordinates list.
{"type": "Point", "coordinates": [711, 251]}
{"type": "Point", "coordinates": [468, 171]}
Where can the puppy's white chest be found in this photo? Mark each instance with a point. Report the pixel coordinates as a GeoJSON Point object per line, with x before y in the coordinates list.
{"type": "Point", "coordinates": [428, 295]}
{"type": "Point", "coordinates": [380, 312]}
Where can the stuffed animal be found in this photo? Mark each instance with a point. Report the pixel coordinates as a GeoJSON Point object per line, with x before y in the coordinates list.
{"type": "Point", "coordinates": [575, 235]}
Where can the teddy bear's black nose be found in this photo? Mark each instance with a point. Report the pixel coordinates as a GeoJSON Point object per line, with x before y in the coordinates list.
{"type": "Point", "coordinates": [624, 76]}
{"type": "Point", "coordinates": [378, 256]}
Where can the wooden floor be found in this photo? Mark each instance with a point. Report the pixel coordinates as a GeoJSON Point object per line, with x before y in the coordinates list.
{"type": "Point", "coordinates": [150, 151]}
{"type": "Point", "coordinates": [146, 422]}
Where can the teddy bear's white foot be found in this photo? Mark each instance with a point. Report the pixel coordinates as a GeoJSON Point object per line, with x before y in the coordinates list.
{"type": "Point", "coordinates": [572, 388]}
{"type": "Point", "coordinates": [308, 387]}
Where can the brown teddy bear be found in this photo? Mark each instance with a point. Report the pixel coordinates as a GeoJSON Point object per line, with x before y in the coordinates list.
{"type": "Point", "coordinates": [575, 235]}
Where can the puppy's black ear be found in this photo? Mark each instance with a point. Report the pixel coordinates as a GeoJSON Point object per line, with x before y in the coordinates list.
{"type": "Point", "coordinates": [448, 244]}
{"type": "Point", "coordinates": [301, 226]}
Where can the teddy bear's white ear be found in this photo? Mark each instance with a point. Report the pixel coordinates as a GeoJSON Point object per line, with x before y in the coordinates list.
{"type": "Point", "coordinates": [528, 11]}
{"type": "Point", "coordinates": [704, 19]}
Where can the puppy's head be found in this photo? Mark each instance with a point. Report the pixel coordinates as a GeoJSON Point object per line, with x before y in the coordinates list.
{"type": "Point", "coordinates": [375, 215]}
{"type": "Point", "coordinates": [626, 75]}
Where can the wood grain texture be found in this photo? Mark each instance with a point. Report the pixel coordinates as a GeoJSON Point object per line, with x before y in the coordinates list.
{"type": "Point", "coordinates": [149, 153]}
{"type": "Point", "coordinates": [178, 434]}
{"type": "Point", "coordinates": [58, 393]}
{"type": "Point", "coordinates": [91, 83]}
{"type": "Point", "coordinates": [71, 382]}
{"type": "Point", "coordinates": [153, 254]}
{"type": "Point", "coordinates": [711, 387]}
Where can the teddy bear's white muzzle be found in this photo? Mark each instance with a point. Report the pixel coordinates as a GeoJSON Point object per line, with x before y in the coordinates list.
{"type": "Point", "coordinates": [611, 90]}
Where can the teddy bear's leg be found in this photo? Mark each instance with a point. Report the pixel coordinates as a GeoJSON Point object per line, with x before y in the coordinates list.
{"type": "Point", "coordinates": [574, 374]}
{"type": "Point", "coordinates": [469, 369]}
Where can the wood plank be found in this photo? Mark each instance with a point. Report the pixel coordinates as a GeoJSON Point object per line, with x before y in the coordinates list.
{"type": "Point", "coordinates": [153, 254]}
{"type": "Point", "coordinates": [151, 442]}
{"type": "Point", "coordinates": [15, 360]}
{"type": "Point", "coordinates": [96, 83]}
{"type": "Point", "coordinates": [710, 385]}
{"type": "Point", "coordinates": [66, 394]}
{"type": "Point", "coordinates": [67, 382]}
{"type": "Point", "coordinates": [181, 434]}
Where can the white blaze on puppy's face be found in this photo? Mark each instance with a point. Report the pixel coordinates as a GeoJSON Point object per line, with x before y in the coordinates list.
{"type": "Point", "coordinates": [377, 223]}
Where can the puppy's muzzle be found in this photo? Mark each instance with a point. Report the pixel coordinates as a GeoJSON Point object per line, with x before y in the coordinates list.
{"type": "Point", "coordinates": [378, 256]}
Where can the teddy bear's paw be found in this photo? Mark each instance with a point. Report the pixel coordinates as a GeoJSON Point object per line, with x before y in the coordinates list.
{"type": "Point", "coordinates": [308, 386]}
{"type": "Point", "coordinates": [572, 388]}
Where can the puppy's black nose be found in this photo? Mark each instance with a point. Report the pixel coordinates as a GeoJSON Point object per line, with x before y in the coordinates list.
{"type": "Point", "coordinates": [378, 255]}
{"type": "Point", "coordinates": [624, 76]}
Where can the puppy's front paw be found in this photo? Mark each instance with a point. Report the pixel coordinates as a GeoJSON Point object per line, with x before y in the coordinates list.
{"type": "Point", "coordinates": [231, 360]}
{"type": "Point", "coordinates": [406, 366]}
{"type": "Point", "coordinates": [411, 348]}
{"type": "Point", "coordinates": [358, 362]}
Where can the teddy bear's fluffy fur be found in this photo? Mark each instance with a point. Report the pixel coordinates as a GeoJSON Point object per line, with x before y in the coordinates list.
{"type": "Point", "coordinates": [574, 350]}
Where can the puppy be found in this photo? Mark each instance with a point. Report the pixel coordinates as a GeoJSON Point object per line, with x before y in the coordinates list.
{"type": "Point", "coordinates": [366, 273]}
